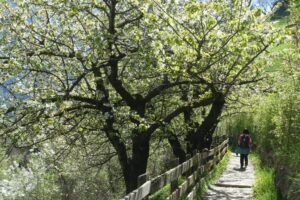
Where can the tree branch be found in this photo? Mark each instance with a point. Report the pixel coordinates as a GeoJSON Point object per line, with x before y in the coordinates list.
{"type": "Point", "coordinates": [123, 24]}
{"type": "Point", "coordinates": [158, 90]}
{"type": "Point", "coordinates": [246, 66]}
{"type": "Point", "coordinates": [95, 102]}
{"type": "Point", "coordinates": [177, 112]}
{"type": "Point", "coordinates": [117, 84]}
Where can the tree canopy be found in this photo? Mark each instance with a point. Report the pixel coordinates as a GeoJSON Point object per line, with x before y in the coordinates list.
{"type": "Point", "coordinates": [107, 77]}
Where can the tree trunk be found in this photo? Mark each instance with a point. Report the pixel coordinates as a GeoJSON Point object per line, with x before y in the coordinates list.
{"type": "Point", "coordinates": [190, 140]}
{"type": "Point", "coordinates": [202, 137]}
{"type": "Point", "coordinates": [67, 186]}
{"type": "Point", "coordinates": [176, 147]}
{"type": "Point", "coordinates": [137, 164]}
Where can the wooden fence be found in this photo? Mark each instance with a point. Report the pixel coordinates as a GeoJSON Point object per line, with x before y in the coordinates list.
{"type": "Point", "coordinates": [194, 171]}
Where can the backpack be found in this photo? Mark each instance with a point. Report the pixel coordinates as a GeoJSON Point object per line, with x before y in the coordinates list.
{"type": "Point", "coordinates": [244, 141]}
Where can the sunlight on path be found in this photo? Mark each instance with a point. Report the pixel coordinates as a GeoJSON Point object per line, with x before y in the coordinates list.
{"type": "Point", "coordinates": [234, 183]}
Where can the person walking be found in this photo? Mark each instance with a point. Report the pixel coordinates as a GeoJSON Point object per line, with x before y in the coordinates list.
{"type": "Point", "coordinates": [244, 143]}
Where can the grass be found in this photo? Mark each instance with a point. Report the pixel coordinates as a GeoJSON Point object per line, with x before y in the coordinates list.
{"type": "Point", "coordinates": [220, 168]}
{"type": "Point", "coordinates": [163, 193]}
{"type": "Point", "coordinates": [277, 60]}
{"type": "Point", "coordinates": [282, 22]}
{"type": "Point", "coordinates": [264, 187]}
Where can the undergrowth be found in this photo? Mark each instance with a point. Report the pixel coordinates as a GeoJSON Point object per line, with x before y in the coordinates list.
{"type": "Point", "coordinates": [213, 178]}
{"type": "Point", "coordinates": [264, 187]}
{"type": "Point", "coordinates": [163, 193]}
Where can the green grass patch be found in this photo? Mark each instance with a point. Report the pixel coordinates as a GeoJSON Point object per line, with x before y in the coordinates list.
{"type": "Point", "coordinates": [277, 60]}
{"type": "Point", "coordinates": [264, 187]}
{"type": "Point", "coordinates": [162, 193]}
{"type": "Point", "coordinates": [282, 22]}
{"type": "Point", "coordinates": [220, 168]}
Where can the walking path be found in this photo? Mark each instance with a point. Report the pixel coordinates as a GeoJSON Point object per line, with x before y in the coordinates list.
{"type": "Point", "coordinates": [234, 183]}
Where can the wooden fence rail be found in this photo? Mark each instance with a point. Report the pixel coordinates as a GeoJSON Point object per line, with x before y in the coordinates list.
{"type": "Point", "coordinates": [194, 170]}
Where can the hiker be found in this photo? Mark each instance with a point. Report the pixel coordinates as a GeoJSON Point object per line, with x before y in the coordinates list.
{"type": "Point", "coordinates": [244, 143]}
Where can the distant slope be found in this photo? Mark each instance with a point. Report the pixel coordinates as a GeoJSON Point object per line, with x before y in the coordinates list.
{"type": "Point", "coordinates": [282, 10]}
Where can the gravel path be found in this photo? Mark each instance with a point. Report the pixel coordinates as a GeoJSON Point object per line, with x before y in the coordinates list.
{"type": "Point", "coordinates": [234, 183]}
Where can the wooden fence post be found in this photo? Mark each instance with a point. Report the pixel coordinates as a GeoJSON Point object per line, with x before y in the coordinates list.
{"type": "Point", "coordinates": [195, 152]}
{"type": "Point", "coordinates": [188, 172]}
{"type": "Point", "coordinates": [205, 151]}
{"type": "Point", "coordinates": [188, 156]}
{"type": "Point", "coordinates": [141, 180]}
{"type": "Point", "coordinates": [174, 184]}
{"type": "Point", "coordinates": [192, 170]}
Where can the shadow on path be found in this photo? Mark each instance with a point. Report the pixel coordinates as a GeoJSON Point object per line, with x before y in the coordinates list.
{"type": "Point", "coordinates": [234, 183]}
{"type": "Point", "coordinates": [239, 169]}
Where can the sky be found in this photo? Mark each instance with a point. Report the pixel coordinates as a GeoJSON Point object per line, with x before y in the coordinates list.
{"type": "Point", "coordinates": [266, 4]}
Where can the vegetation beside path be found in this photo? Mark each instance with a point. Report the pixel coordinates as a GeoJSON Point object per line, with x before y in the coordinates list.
{"type": "Point", "coordinates": [272, 115]}
{"type": "Point", "coordinates": [213, 178]}
{"type": "Point", "coordinates": [264, 188]}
